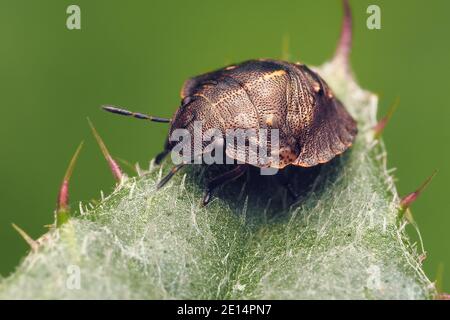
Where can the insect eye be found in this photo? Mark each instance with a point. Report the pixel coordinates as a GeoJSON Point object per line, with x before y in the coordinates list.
{"type": "Point", "coordinates": [186, 100]}
{"type": "Point", "coordinates": [210, 82]}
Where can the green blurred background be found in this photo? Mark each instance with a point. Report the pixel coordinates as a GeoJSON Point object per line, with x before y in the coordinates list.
{"type": "Point", "coordinates": [137, 54]}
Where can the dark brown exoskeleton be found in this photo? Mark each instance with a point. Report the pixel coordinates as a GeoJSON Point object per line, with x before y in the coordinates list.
{"type": "Point", "coordinates": [313, 124]}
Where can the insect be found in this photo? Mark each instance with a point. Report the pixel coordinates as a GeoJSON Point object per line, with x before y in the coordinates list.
{"type": "Point", "coordinates": [313, 124]}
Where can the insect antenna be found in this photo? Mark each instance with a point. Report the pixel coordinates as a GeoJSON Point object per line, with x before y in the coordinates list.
{"type": "Point", "coordinates": [136, 115]}
{"type": "Point", "coordinates": [170, 175]}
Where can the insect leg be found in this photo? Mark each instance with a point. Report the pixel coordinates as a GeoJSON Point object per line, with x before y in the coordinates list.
{"type": "Point", "coordinates": [287, 184]}
{"type": "Point", "coordinates": [221, 180]}
{"type": "Point", "coordinates": [160, 156]}
{"type": "Point", "coordinates": [169, 175]}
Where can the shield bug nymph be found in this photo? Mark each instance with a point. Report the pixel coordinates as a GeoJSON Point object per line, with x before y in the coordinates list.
{"type": "Point", "coordinates": [312, 123]}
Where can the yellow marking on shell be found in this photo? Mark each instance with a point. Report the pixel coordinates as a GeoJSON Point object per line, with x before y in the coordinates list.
{"type": "Point", "coordinates": [285, 156]}
{"type": "Point", "coordinates": [201, 95]}
{"type": "Point", "coordinates": [274, 74]}
{"type": "Point", "coordinates": [230, 67]}
{"type": "Point", "coordinates": [269, 119]}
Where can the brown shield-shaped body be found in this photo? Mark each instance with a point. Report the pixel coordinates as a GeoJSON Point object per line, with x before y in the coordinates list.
{"type": "Point", "coordinates": [313, 124]}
